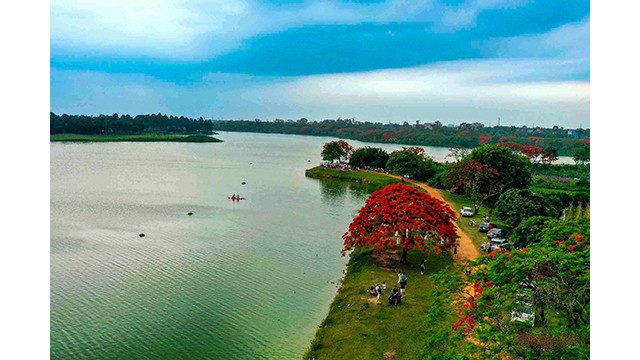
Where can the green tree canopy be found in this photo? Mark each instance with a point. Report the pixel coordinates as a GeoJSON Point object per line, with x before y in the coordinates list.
{"type": "Point", "coordinates": [332, 151]}
{"type": "Point", "coordinates": [581, 155]}
{"type": "Point", "coordinates": [514, 169]}
{"type": "Point", "coordinates": [410, 163]}
{"type": "Point", "coordinates": [530, 231]}
{"type": "Point", "coordinates": [515, 205]}
{"type": "Point", "coordinates": [552, 276]}
{"type": "Point", "coordinates": [369, 157]}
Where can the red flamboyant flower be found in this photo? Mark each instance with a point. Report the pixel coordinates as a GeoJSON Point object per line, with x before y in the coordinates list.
{"type": "Point", "coordinates": [483, 139]}
{"type": "Point", "coordinates": [401, 216]}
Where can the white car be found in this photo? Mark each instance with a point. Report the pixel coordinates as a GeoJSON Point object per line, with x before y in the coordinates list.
{"type": "Point", "coordinates": [466, 211]}
{"type": "Point", "coordinates": [524, 311]}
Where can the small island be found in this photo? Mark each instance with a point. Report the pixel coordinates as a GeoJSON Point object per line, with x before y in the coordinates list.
{"type": "Point", "coordinates": [134, 138]}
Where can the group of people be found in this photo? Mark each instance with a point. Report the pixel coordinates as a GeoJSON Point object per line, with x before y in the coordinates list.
{"type": "Point", "coordinates": [339, 165]}
{"type": "Point", "coordinates": [396, 294]}
{"type": "Point", "coordinates": [377, 291]}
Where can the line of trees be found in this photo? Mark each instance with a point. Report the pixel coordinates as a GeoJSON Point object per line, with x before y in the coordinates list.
{"type": "Point", "coordinates": [497, 176]}
{"type": "Point", "coordinates": [125, 124]}
{"type": "Point", "coordinates": [546, 278]}
{"type": "Point", "coordinates": [557, 140]}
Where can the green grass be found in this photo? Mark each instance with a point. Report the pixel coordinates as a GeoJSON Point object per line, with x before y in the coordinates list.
{"type": "Point", "coordinates": [133, 138]}
{"type": "Point", "coordinates": [355, 328]}
{"type": "Point", "coordinates": [375, 180]}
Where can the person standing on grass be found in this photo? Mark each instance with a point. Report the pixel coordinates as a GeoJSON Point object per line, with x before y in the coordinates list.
{"type": "Point", "coordinates": [422, 266]}
{"type": "Point", "coordinates": [399, 276]}
{"type": "Point", "coordinates": [403, 287]}
{"type": "Point", "coordinates": [384, 286]}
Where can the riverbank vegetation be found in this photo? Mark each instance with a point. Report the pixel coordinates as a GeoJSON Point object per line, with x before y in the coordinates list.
{"type": "Point", "coordinates": [133, 138]}
{"type": "Point", "coordinates": [375, 181]}
{"type": "Point", "coordinates": [357, 328]}
{"type": "Point", "coordinates": [528, 301]}
{"type": "Point", "coordinates": [556, 140]}
{"type": "Point", "coordinates": [127, 125]}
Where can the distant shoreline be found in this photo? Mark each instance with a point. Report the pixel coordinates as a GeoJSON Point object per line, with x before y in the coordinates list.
{"type": "Point", "coordinates": [133, 138]}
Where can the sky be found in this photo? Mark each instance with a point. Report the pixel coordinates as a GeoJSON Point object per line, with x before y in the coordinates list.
{"type": "Point", "coordinates": [525, 62]}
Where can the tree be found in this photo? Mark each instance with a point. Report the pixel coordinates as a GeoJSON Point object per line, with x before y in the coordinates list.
{"type": "Point", "coordinates": [529, 232]}
{"type": "Point", "coordinates": [332, 151]}
{"type": "Point", "coordinates": [550, 154]}
{"type": "Point", "coordinates": [413, 163]}
{"type": "Point", "coordinates": [478, 181]}
{"type": "Point", "coordinates": [401, 215]}
{"type": "Point", "coordinates": [515, 205]}
{"type": "Point", "coordinates": [348, 149]}
{"type": "Point", "coordinates": [369, 157]}
{"type": "Point", "coordinates": [552, 275]}
{"type": "Point", "coordinates": [514, 169]}
{"type": "Point", "coordinates": [581, 155]}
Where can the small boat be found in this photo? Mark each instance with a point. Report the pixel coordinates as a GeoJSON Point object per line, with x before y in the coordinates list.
{"type": "Point", "coordinates": [236, 198]}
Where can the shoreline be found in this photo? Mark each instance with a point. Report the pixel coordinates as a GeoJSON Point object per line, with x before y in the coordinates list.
{"type": "Point", "coordinates": [133, 138]}
{"type": "Point", "coordinates": [337, 336]}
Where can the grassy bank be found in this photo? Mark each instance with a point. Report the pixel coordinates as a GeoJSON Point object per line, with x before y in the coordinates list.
{"type": "Point", "coordinates": [133, 138]}
{"type": "Point", "coordinates": [374, 180]}
{"type": "Point", "coordinates": [358, 328]}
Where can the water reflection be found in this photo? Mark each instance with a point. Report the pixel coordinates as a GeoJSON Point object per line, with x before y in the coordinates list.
{"type": "Point", "coordinates": [336, 191]}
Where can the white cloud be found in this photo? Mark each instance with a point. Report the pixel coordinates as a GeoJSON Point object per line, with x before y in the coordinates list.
{"type": "Point", "coordinates": [193, 30]}
{"type": "Point", "coordinates": [451, 91]}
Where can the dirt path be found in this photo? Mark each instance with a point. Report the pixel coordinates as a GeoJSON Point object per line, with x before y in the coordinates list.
{"type": "Point", "coordinates": [466, 250]}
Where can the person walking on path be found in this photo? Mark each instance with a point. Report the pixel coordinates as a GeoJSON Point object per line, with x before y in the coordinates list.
{"type": "Point", "coordinates": [422, 266]}
{"type": "Point", "coordinates": [455, 250]}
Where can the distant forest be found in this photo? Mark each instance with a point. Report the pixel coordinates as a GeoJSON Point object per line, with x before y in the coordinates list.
{"type": "Point", "coordinates": [467, 135]}
{"type": "Point", "coordinates": [125, 124]}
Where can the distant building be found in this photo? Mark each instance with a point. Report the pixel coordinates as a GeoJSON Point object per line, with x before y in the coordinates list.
{"type": "Point", "coordinates": [572, 132]}
{"type": "Point", "coordinates": [428, 126]}
{"type": "Point", "coordinates": [451, 125]}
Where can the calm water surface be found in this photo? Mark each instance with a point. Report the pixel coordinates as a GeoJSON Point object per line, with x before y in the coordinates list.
{"type": "Point", "coordinates": [237, 280]}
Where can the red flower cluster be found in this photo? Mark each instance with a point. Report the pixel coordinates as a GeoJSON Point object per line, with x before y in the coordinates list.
{"type": "Point", "coordinates": [401, 215]}
{"type": "Point", "coordinates": [483, 139]}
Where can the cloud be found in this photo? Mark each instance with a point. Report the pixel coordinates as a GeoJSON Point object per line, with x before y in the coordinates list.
{"type": "Point", "coordinates": [570, 40]}
{"type": "Point", "coordinates": [451, 91]}
{"type": "Point", "coordinates": [165, 29]}
{"type": "Point", "coordinates": [195, 30]}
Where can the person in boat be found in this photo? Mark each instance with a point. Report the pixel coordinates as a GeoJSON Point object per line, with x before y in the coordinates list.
{"type": "Point", "coordinates": [233, 197]}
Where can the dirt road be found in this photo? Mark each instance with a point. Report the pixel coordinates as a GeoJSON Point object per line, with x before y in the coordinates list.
{"type": "Point", "coordinates": [466, 250]}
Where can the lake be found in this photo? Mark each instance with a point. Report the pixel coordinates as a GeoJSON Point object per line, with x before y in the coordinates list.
{"type": "Point", "coordinates": [241, 280]}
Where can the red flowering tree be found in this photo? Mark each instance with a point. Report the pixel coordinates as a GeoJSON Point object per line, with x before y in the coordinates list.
{"type": "Point", "coordinates": [533, 153]}
{"type": "Point", "coordinates": [336, 150]}
{"type": "Point", "coordinates": [348, 149]}
{"type": "Point", "coordinates": [484, 139]}
{"type": "Point", "coordinates": [402, 216]}
{"type": "Point", "coordinates": [478, 181]}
